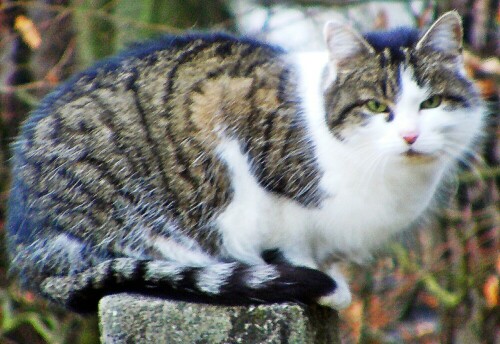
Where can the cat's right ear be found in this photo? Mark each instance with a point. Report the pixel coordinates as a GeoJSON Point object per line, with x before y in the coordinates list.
{"type": "Point", "coordinates": [344, 43]}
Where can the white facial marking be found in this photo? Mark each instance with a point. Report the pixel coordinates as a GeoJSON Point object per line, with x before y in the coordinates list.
{"type": "Point", "coordinates": [407, 109]}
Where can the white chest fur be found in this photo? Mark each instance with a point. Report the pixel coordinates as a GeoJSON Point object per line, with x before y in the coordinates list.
{"type": "Point", "coordinates": [354, 219]}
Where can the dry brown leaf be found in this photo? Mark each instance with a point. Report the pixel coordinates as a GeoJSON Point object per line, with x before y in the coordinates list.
{"type": "Point", "coordinates": [491, 291]}
{"type": "Point", "coordinates": [28, 31]}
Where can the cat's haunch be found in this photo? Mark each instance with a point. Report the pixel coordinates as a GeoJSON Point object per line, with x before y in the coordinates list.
{"type": "Point", "coordinates": [217, 169]}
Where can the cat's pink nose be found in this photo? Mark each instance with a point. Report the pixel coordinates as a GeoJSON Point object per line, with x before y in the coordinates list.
{"type": "Point", "coordinates": [410, 138]}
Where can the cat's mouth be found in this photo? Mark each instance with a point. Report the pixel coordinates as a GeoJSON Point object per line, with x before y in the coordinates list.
{"type": "Point", "coordinates": [418, 156]}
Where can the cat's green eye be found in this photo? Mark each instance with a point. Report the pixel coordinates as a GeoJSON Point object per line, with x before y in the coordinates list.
{"type": "Point", "coordinates": [431, 103]}
{"type": "Point", "coordinates": [376, 106]}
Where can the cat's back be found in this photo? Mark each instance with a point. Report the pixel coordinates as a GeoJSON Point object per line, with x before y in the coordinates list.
{"type": "Point", "coordinates": [161, 72]}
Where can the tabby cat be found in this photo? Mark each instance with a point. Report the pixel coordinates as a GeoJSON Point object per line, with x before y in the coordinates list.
{"type": "Point", "coordinates": [216, 169]}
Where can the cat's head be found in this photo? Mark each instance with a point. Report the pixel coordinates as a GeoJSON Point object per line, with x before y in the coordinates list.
{"type": "Point", "coordinates": [401, 94]}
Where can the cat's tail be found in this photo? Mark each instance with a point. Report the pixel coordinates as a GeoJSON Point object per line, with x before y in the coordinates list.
{"type": "Point", "coordinates": [221, 283]}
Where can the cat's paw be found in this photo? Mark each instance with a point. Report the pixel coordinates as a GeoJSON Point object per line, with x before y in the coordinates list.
{"type": "Point", "coordinates": [341, 297]}
{"type": "Point", "coordinates": [338, 300]}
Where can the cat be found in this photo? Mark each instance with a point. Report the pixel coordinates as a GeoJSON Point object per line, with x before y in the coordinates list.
{"type": "Point", "coordinates": [216, 169]}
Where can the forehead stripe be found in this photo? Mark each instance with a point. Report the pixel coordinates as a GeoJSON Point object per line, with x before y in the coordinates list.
{"type": "Point", "coordinates": [385, 59]}
{"type": "Point", "coordinates": [407, 55]}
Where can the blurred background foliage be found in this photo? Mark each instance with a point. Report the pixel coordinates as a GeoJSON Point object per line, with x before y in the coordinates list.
{"type": "Point", "coordinates": [441, 285]}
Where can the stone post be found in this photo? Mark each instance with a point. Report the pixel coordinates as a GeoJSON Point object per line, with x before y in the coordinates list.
{"type": "Point", "coordinates": [128, 318]}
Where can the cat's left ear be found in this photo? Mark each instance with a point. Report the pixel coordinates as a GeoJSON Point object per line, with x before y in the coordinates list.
{"type": "Point", "coordinates": [444, 36]}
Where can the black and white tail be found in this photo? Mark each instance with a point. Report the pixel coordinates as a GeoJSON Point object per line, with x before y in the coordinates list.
{"type": "Point", "coordinates": [220, 283]}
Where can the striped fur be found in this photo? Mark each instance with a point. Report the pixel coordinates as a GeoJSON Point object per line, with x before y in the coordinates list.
{"type": "Point", "coordinates": [174, 168]}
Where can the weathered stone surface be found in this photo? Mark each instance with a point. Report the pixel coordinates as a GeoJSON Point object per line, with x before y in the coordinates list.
{"type": "Point", "coordinates": [127, 318]}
